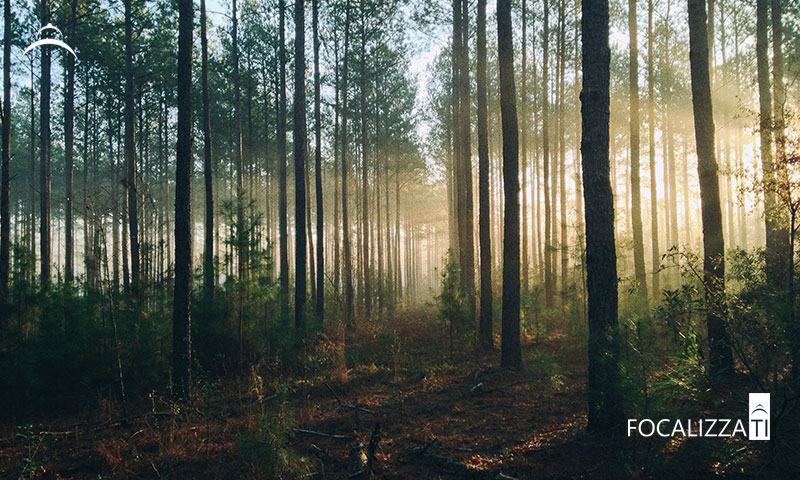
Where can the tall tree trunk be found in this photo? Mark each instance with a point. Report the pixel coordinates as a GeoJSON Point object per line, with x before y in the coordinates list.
{"type": "Point", "coordinates": [562, 153]}
{"type": "Point", "coordinates": [299, 142]}
{"type": "Point", "coordinates": [462, 151]}
{"type": "Point", "coordinates": [69, 142]}
{"type": "Point", "coordinates": [777, 238]}
{"type": "Point", "coordinates": [336, 143]}
{"type": "Point", "coordinates": [209, 276]}
{"type": "Point", "coordinates": [5, 183]}
{"type": "Point", "coordinates": [549, 281]}
{"type": "Point", "coordinates": [283, 219]}
{"type": "Point", "coordinates": [130, 151]}
{"type": "Point", "coordinates": [636, 195]}
{"type": "Point", "coordinates": [485, 318]}
{"type": "Point", "coordinates": [713, 245]}
{"type": "Point", "coordinates": [366, 267]}
{"type": "Point", "coordinates": [510, 353]}
{"type": "Point", "coordinates": [786, 237]}
{"type": "Point", "coordinates": [779, 96]}
{"type": "Point", "coordinates": [181, 319]}
{"type": "Point", "coordinates": [349, 313]}
{"type": "Point", "coordinates": [241, 234]}
{"type": "Point", "coordinates": [320, 303]}
{"type": "Point", "coordinates": [44, 156]}
{"type": "Point", "coordinates": [31, 173]}
{"type": "Point", "coordinates": [604, 396]}
{"type": "Point", "coordinates": [651, 138]}
{"type": "Point", "coordinates": [523, 138]}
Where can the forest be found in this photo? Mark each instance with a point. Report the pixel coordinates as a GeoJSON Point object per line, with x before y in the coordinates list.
{"type": "Point", "coordinates": [396, 239]}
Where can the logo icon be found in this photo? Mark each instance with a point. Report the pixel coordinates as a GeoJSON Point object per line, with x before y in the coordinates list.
{"type": "Point", "coordinates": [49, 41]}
{"type": "Point", "coordinates": [759, 416]}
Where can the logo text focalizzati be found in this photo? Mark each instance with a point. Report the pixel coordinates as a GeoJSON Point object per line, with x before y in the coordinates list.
{"type": "Point", "coordinates": [707, 427]}
{"type": "Point", "coordinates": [759, 428]}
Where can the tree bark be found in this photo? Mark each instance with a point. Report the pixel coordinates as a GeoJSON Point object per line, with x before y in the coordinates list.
{"type": "Point", "coordinates": [320, 297]}
{"type": "Point", "coordinates": [604, 397]}
{"type": "Point", "coordinates": [44, 156]}
{"type": "Point", "coordinates": [283, 219]}
{"type": "Point", "coordinates": [485, 337]}
{"type": "Point", "coordinates": [636, 196]}
{"type": "Point", "coordinates": [365, 243]}
{"type": "Point", "coordinates": [549, 281]}
{"type": "Point", "coordinates": [181, 318]}
{"type": "Point", "coordinates": [349, 313]}
{"type": "Point", "coordinates": [209, 275]}
{"type": "Point", "coordinates": [776, 235]}
{"type": "Point", "coordinates": [510, 353]}
{"type": "Point", "coordinates": [523, 139]}
{"type": "Point", "coordinates": [713, 244]}
{"type": "Point", "coordinates": [651, 138]}
{"type": "Point", "coordinates": [5, 183]}
{"type": "Point", "coordinates": [130, 152]}
{"type": "Point", "coordinates": [299, 141]}
{"type": "Point", "coordinates": [462, 151]}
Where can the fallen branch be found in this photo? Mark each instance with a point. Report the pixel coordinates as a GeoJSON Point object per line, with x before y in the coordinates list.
{"type": "Point", "coordinates": [453, 466]}
{"type": "Point", "coordinates": [323, 434]}
{"type": "Point", "coordinates": [106, 423]}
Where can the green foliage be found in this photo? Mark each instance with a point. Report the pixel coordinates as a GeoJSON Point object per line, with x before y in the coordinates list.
{"type": "Point", "coordinates": [57, 345]}
{"type": "Point", "coordinates": [453, 306]}
{"type": "Point", "coordinates": [35, 444]}
{"type": "Point", "coordinates": [267, 450]}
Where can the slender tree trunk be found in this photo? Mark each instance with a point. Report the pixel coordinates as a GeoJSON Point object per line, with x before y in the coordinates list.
{"type": "Point", "coordinates": [312, 284]}
{"type": "Point", "coordinates": [510, 354]}
{"type": "Point", "coordinates": [365, 194]}
{"type": "Point", "coordinates": [604, 396]}
{"type": "Point", "coordinates": [549, 281]}
{"type": "Point", "coordinates": [562, 154]}
{"type": "Point", "coordinates": [523, 138]}
{"type": "Point", "coordinates": [32, 175]}
{"type": "Point", "coordinates": [713, 245]}
{"type": "Point", "coordinates": [299, 142]}
{"type": "Point", "coordinates": [209, 276]}
{"type": "Point", "coordinates": [636, 196]}
{"type": "Point", "coordinates": [69, 142]}
{"type": "Point", "coordinates": [349, 313]}
{"type": "Point", "coordinates": [336, 143]}
{"type": "Point", "coordinates": [5, 183]}
{"type": "Point", "coordinates": [775, 240]}
{"type": "Point", "coordinates": [461, 138]}
{"type": "Point", "coordinates": [283, 219]}
{"type": "Point", "coordinates": [181, 319]}
{"type": "Point", "coordinates": [44, 156]}
{"type": "Point", "coordinates": [242, 242]}
{"type": "Point", "coordinates": [320, 303]}
{"type": "Point", "coordinates": [651, 150]}
{"type": "Point", "coordinates": [130, 151]}
{"type": "Point", "coordinates": [485, 318]}
{"type": "Point", "coordinates": [779, 97]}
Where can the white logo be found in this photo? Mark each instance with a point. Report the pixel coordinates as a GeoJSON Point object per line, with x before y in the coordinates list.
{"type": "Point", "coordinates": [709, 427]}
{"type": "Point", "coordinates": [759, 416]}
{"type": "Point", "coordinates": [49, 41]}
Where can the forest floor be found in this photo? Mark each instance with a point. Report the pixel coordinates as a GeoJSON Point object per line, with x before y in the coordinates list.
{"type": "Point", "coordinates": [439, 418]}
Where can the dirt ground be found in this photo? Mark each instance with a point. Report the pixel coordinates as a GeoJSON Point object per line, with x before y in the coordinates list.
{"type": "Point", "coordinates": [439, 418]}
